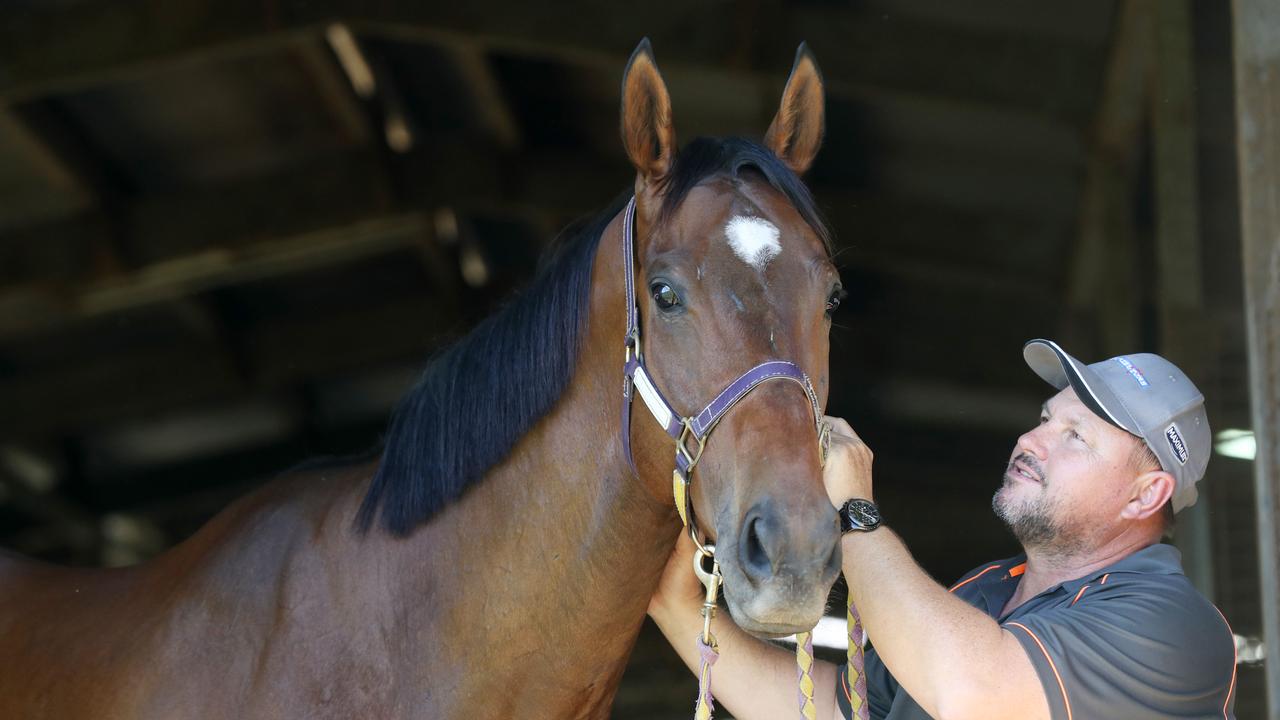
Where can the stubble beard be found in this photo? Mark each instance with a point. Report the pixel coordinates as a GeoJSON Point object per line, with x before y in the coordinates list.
{"type": "Point", "coordinates": [1033, 521]}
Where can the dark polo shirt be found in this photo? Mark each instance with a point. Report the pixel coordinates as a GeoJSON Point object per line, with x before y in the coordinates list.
{"type": "Point", "coordinates": [1133, 640]}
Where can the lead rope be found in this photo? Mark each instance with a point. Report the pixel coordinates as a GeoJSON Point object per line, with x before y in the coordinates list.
{"type": "Point", "coordinates": [855, 677]}
{"type": "Point", "coordinates": [709, 650]}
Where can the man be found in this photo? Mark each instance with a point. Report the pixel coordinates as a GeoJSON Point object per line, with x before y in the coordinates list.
{"type": "Point", "coordinates": [1095, 620]}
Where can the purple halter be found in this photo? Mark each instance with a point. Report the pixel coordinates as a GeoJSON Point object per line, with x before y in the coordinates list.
{"type": "Point", "coordinates": [696, 428]}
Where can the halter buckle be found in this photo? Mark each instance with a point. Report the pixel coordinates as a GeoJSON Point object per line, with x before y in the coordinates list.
{"type": "Point", "coordinates": [633, 344]}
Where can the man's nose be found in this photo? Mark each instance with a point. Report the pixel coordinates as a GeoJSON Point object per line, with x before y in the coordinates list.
{"type": "Point", "coordinates": [1031, 443]}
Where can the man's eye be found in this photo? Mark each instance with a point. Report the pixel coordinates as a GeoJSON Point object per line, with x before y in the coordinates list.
{"type": "Point", "coordinates": [664, 295]}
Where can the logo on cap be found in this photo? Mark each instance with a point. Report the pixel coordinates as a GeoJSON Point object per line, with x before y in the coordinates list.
{"type": "Point", "coordinates": [1133, 370]}
{"type": "Point", "coordinates": [1176, 444]}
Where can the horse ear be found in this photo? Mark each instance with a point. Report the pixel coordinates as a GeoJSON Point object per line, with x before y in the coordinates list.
{"type": "Point", "coordinates": [647, 132]}
{"type": "Point", "coordinates": [796, 131]}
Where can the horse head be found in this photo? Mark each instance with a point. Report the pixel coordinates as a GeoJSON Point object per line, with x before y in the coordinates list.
{"type": "Point", "coordinates": [732, 270]}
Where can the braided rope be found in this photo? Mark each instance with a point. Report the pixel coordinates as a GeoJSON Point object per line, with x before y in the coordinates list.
{"type": "Point", "coordinates": [804, 675]}
{"type": "Point", "coordinates": [856, 674]}
{"type": "Point", "coordinates": [706, 703]}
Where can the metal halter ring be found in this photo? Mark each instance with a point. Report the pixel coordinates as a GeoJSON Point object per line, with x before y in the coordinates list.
{"type": "Point", "coordinates": [686, 430]}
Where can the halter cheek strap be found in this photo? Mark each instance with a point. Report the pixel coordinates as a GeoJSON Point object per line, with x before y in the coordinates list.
{"type": "Point", "coordinates": [690, 433]}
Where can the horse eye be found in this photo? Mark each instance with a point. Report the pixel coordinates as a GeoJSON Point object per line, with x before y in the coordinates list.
{"type": "Point", "coordinates": [664, 295]}
{"type": "Point", "coordinates": [833, 301]}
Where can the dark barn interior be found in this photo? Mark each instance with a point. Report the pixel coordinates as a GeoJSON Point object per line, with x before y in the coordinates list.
{"type": "Point", "coordinates": [232, 234]}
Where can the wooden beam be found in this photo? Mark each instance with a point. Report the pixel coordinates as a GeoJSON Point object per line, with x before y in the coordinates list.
{"type": "Point", "coordinates": [281, 354]}
{"type": "Point", "coordinates": [44, 309]}
{"type": "Point", "coordinates": [56, 48]}
{"type": "Point", "coordinates": [46, 186]}
{"type": "Point", "coordinates": [496, 116]}
{"type": "Point", "coordinates": [1102, 301]}
{"type": "Point", "coordinates": [334, 88]}
{"type": "Point", "coordinates": [1186, 335]}
{"type": "Point", "coordinates": [74, 526]}
{"type": "Point", "coordinates": [63, 138]}
{"type": "Point", "coordinates": [1257, 74]}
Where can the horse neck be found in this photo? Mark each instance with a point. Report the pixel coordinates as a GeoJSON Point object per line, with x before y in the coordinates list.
{"type": "Point", "coordinates": [561, 545]}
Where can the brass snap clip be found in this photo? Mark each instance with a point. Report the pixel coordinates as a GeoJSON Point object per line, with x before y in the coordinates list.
{"type": "Point", "coordinates": [711, 580]}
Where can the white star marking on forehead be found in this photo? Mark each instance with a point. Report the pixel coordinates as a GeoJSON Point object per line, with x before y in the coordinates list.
{"type": "Point", "coordinates": [754, 240]}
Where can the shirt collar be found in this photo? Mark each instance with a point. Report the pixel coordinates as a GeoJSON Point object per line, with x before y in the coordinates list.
{"type": "Point", "coordinates": [1157, 559]}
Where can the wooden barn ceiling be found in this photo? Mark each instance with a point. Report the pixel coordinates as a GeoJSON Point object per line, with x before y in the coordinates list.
{"type": "Point", "coordinates": [230, 233]}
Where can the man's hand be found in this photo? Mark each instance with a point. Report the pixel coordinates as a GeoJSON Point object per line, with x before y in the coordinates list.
{"type": "Point", "coordinates": [847, 473]}
{"type": "Point", "coordinates": [679, 587]}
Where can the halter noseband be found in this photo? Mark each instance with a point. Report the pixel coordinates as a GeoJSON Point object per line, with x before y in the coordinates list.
{"type": "Point", "coordinates": [690, 433]}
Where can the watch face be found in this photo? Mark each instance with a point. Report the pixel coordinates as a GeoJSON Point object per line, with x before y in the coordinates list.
{"type": "Point", "coordinates": [861, 515]}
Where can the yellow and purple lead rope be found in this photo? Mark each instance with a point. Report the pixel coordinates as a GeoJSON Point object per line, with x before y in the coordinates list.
{"type": "Point", "coordinates": [706, 703]}
{"type": "Point", "coordinates": [856, 674]}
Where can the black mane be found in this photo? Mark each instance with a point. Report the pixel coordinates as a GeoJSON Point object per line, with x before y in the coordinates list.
{"type": "Point", "coordinates": [476, 399]}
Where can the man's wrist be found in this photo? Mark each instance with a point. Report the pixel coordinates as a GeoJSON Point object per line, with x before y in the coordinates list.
{"type": "Point", "coordinates": [857, 515]}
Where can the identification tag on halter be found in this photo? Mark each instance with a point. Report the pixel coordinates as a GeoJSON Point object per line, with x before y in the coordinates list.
{"type": "Point", "coordinates": [649, 394]}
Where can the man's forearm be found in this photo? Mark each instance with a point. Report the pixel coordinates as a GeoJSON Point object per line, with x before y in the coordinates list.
{"type": "Point", "coordinates": [937, 647]}
{"type": "Point", "coordinates": [752, 678]}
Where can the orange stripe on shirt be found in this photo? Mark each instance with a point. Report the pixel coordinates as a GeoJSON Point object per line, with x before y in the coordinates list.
{"type": "Point", "coordinates": [1104, 579]}
{"type": "Point", "coordinates": [1017, 570]}
{"type": "Point", "coordinates": [962, 583]}
{"type": "Point", "coordinates": [1235, 659]}
{"type": "Point", "coordinates": [844, 685]}
{"type": "Point", "coordinates": [1073, 602]}
{"type": "Point", "coordinates": [1053, 667]}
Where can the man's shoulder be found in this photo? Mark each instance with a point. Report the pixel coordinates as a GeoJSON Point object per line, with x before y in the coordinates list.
{"type": "Point", "coordinates": [1154, 575]}
{"type": "Point", "coordinates": [1156, 601]}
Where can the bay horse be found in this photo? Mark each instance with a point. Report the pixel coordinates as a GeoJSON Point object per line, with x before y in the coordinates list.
{"type": "Point", "coordinates": [496, 556]}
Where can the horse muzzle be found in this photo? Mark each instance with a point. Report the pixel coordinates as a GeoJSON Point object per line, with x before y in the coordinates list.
{"type": "Point", "coordinates": [780, 567]}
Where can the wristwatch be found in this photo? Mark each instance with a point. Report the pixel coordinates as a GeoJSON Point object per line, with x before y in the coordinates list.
{"type": "Point", "coordinates": [859, 514]}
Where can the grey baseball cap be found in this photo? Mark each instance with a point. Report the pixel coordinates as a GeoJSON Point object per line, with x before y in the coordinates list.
{"type": "Point", "coordinates": [1144, 395]}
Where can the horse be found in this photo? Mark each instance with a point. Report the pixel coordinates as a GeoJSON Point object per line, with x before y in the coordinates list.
{"type": "Point", "coordinates": [495, 555]}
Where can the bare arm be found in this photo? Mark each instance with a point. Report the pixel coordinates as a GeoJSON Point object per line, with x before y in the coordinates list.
{"type": "Point", "coordinates": [752, 678]}
{"type": "Point", "coordinates": [953, 659]}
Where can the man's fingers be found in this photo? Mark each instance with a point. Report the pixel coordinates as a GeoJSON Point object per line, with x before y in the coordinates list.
{"type": "Point", "coordinates": [840, 427]}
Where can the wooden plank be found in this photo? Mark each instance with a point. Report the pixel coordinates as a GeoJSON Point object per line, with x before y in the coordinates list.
{"type": "Point", "coordinates": [495, 114]}
{"type": "Point", "coordinates": [59, 47]}
{"type": "Point", "coordinates": [1186, 335]}
{"type": "Point", "coordinates": [1257, 73]}
{"type": "Point", "coordinates": [1102, 304]}
{"type": "Point", "coordinates": [41, 308]}
{"type": "Point", "coordinates": [334, 88]}
{"type": "Point", "coordinates": [277, 355]}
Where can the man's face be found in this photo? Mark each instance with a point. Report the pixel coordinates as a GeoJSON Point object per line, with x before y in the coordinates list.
{"type": "Point", "coordinates": [1067, 479]}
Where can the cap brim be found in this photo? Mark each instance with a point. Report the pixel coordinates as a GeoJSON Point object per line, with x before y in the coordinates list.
{"type": "Point", "coordinates": [1060, 370]}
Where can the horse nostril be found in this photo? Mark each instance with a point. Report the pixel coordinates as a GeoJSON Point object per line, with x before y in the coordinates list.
{"type": "Point", "coordinates": [756, 558]}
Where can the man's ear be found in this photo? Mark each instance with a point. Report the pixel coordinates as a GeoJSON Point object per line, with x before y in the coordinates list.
{"type": "Point", "coordinates": [1151, 490]}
